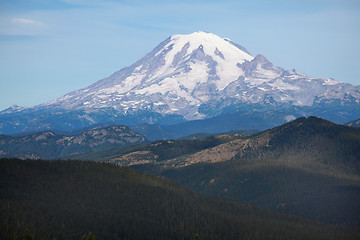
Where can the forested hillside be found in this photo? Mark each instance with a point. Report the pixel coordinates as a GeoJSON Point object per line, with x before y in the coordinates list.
{"type": "Point", "coordinates": [66, 199]}
{"type": "Point", "coordinates": [157, 151]}
{"type": "Point", "coordinates": [308, 167]}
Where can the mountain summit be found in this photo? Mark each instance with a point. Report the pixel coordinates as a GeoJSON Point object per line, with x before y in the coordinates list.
{"type": "Point", "coordinates": [176, 77]}
{"type": "Point", "coordinates": [189, 77]}
{"type": "Point", "coordinates": [187, 71]}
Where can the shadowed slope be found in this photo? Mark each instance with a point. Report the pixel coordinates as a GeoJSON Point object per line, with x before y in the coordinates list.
{"type": "Point", "coordinates": [65, 199]}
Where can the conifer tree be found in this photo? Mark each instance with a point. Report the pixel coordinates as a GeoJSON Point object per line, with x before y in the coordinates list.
{"type": "Point", "coordinates": [27, 235]}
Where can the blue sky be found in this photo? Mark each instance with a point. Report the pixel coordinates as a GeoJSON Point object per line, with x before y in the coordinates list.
{"type": "Point", "coordinates": [49, 48]}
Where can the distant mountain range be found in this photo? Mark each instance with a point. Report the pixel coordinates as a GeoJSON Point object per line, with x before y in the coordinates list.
{"type": "Point", "coordinates": [50, 145]}
{"type": "Point", "coordinates": [308, 167]}
{"type": "Point", "coordinates": [193, 77]}
{"type": "Point", "coordinates": [355, 123]}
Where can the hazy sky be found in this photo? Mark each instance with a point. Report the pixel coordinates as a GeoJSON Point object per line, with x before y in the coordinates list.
{"type": "Point", "coordinates": [51, 47]}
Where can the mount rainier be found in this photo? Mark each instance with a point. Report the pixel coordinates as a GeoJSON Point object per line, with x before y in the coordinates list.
{"type": "Point", "coordinates": [190, 77]}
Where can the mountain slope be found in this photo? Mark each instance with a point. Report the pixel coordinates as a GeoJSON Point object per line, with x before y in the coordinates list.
{"type": "Point", "coordinates": [156, 152]}
{"type": "Point", "coordinates": [49, 145]}
{"type": "Point", "coordinates": [65, 199]}
{"type": "Point", "coordinates": [297, 191]}
{"type": "Point", "coordinates": [308, 167]}
{"type": "Point", "coordinates": [176, 77]}
{"type": "Point", "coordinates": [307, 141]}
{"type": "Point", "coordinates": [212, 126]}
{"type": "Point", "coordinates": [187, 71]}
{"type": "Point", "coordinates": [189, 77]}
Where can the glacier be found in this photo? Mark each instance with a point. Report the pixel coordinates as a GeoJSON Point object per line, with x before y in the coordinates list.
{"type": "Point", "coordinates": [198, 76]}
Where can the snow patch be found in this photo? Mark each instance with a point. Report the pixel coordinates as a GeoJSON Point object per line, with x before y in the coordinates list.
{"type": "Point", "coordinates": [289, 118]}
{"type": "Point", "coordinates": [330, 81]}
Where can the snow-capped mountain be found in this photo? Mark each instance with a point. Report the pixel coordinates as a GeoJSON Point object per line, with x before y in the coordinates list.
{"type": "Point", "coordinates": [190, 77]}
{"type": "Point", "coordinates": [178, 76]}
{"type": "Point", "coordinates": [186, 71]}
{"type": "Point", "coordinates": [13, 109]}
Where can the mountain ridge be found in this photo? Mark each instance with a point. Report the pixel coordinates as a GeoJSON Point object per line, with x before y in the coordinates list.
{"type": "Point", "coordinates": [51, 145]}
{"type": "Point", "coordinates": [308, 167]}
{"type": "Point", "coordinates": [355, 123]}
{"type": "Point", "coordinates": [308, 133]}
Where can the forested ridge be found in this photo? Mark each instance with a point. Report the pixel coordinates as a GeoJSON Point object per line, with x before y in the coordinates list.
{"type": "Point", "coordinates": [308, 167]}
{"type": "Point", "coordinates": [160, 150]}
{"type": "Point", "coordinates": [67, 199]}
